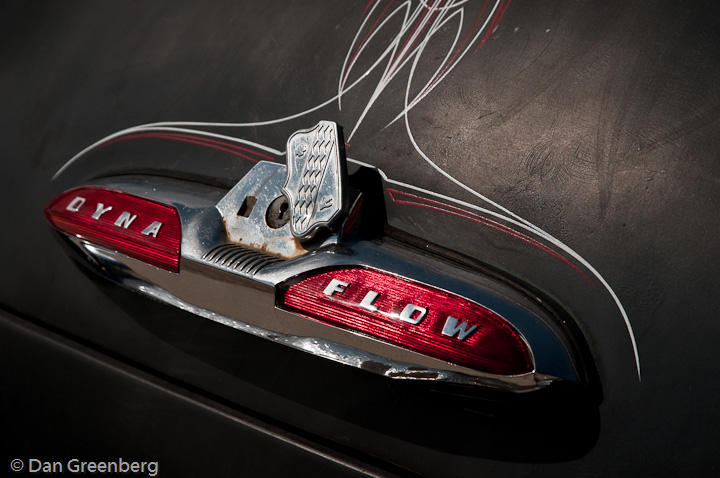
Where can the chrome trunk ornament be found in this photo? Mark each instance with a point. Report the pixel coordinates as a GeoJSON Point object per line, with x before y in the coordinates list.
{"type": "Point", "coordinates": [274, 256]}
{"type": "Point", "coordinates": [316, 171]}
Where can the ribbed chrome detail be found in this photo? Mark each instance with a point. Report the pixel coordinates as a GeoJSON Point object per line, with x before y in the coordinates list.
{"type": "Point", "coordinates": [238, 258]}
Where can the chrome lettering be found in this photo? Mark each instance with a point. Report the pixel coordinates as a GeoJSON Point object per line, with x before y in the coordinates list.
{"type": "Point", "coordinates": [100, 210]}
{"type": "Point", "coordinates": [335, 285]}
{"type": "Point", "coordinates": [367, 302]}
{"type": "Point", "coordinates": [407, 314]}
{"type": "Point", "coordinates": [451, 328]}
{"type": "Point", "coordinates": [152, 229]}
{"type": "Point", "coordinates": [125, 219]}
{"type": "Point", "coordinates": [75, 204]}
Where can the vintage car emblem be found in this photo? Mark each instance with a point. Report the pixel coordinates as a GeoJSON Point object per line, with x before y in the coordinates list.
{"type": "Point", "coordinates": [284, 256]}
{"type": "Point", "coordinates": [411, 315]}
{"type": "Point", "coordinates": [139, 228]}
{"type": "Point", "coordinates": [124, 218]}
{"type": "Point", "coordinates": [315, 174]}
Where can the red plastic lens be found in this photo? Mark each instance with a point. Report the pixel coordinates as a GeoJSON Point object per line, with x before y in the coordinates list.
{"type": "Point", "coordinates": [413, 316]}
{"type": "Point", "coordinates": [140, 228]}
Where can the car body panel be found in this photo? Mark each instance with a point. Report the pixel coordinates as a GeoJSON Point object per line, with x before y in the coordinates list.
{"type": "Point", "coordinates": [596, 121]}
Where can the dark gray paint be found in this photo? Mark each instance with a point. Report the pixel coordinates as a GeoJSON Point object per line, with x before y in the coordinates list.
{"type": "Point", "coordinates": [603, 131]}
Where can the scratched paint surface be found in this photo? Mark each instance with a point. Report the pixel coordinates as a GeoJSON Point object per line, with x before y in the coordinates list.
{"type": "Point", "coordinates": [594, 121]}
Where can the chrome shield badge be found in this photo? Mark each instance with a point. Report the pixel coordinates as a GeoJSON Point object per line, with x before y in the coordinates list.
{"type": "Point", "coordinates": [314, 184]}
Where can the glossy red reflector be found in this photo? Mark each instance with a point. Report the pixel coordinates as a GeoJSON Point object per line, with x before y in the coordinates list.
{"type": "Point", "coordinates": [411, 315]}
{"type": "Point", "coordinates": [137, 227]}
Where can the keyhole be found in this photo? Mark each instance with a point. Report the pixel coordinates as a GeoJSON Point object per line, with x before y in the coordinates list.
{"type": "Point", "coordinates": [278, 213]}
{"type": "Point", "coordinates": [283, 210]}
